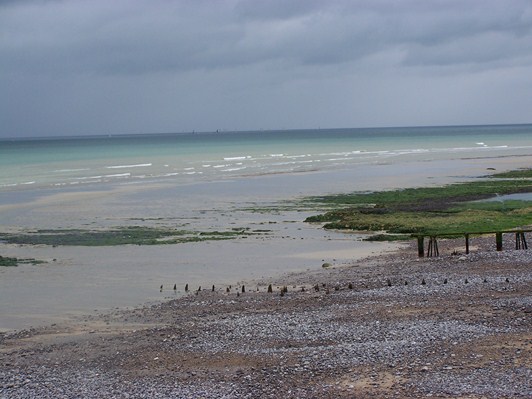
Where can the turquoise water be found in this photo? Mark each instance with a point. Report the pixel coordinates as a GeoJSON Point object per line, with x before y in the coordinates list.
{"type": "Point", "coordinates": [185, 158]}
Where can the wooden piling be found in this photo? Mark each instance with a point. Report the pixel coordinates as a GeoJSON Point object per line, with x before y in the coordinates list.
{"type": "Point", "coordinates": [420, 249]}
{"type": "Point", "coordinates": [433, 247]}
{"type": "Point", "coordinates": [498, 241]}
{"type": "Point", "coordinates": [520, 240]}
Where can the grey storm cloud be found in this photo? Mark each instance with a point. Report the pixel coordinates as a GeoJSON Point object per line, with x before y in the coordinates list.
{"type": "Point", "coordinates": [69, 51]}
{"type": "Point", "coordinates": [153, 36]}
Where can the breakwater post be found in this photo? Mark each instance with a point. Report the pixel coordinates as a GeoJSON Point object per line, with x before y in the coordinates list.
{"type": "Point", "coordinates": [520, 240]}
{"type": "Point", "coordinates": [433, 247]}
{"type": "Point", "coordinates": [432, 250]}
{"type": "Point", "coordinates": [420, 246]}
{"type": "Point", "coordinates": [498, 241]}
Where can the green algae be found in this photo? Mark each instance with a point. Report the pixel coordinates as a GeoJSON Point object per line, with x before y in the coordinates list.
{"type": "Point", "coordinates": [431, 210]}
{"type": "Point", "coordinates": [13, 262]}
{"type": "Point", "coordinates": [133, 235]}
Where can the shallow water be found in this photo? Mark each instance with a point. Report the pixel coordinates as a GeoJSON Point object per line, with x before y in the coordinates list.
{"type": "Point", "coordinates": [510, 197]}
{"type": "Point", "coordinates": [82, 278]}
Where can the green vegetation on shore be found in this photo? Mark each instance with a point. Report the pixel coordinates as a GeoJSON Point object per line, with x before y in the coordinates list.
{"type": "Point", "coordinates": [7, 261]}
{"type": "Point", "coordinates": [432, 210]}
{"type": "Point", "coordinates": [515, 174]}
{"type": "Point", "coordinates": [134, 235]}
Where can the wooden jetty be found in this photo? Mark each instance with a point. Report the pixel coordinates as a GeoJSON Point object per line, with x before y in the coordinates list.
{"type": "Point", "coordinates": [432, 248]}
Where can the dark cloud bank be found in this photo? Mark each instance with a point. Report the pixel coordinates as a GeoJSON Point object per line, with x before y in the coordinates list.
{"type": "Point", "coordinates": [93, 67]}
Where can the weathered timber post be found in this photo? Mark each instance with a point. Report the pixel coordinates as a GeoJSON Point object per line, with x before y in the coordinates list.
{"type": "Point", "coordinates": [433, 247]}
{"type": "Point", "coordinates": [498, 241]}
{"type": "Point", "coordinates": [420, 248]}
{"type": "Point", "coordinates": [467, 244]}
{"type": "Point", "coordinates": [520, 240]}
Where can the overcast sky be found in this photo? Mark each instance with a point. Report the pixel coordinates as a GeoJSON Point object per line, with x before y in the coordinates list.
{"type": "Point", "coordinates": [98, 67]}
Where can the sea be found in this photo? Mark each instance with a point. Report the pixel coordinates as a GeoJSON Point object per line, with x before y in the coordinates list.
{"type": "Point", "coordinates": [212, 181]}
{"type": "Point", "coordinates": [216, 156]}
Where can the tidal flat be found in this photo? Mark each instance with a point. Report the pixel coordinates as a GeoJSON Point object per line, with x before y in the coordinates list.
{"type": "Point", "coordinates": [77, 279]}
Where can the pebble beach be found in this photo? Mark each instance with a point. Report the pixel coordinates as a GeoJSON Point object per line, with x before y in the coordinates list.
{"type": "Point", "coordinates": [390, 326]}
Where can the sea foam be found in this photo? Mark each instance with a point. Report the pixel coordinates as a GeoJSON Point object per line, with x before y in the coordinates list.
{"type": "Point", "coordinates": [140, 165]}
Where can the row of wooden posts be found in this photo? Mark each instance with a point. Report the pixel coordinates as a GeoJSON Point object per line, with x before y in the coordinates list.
{"type": "Point", "coordinates": [432, 248]}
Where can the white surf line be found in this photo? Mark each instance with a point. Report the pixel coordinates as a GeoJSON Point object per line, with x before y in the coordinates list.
{"type": "Point", "coordinates": [237, 158]}
{"type": "Point", "coordinates": [129, 166]}
{"type": "Point", "coordinates": [70, 170]}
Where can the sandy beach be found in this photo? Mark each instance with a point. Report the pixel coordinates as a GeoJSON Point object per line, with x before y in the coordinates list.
{"type": "Point", "coordinates": [388, 326]}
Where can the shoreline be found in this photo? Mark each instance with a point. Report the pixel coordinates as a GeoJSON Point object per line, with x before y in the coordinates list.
{"type": "Point", "coordinates": [465, 331]}
{"type": "Point", "coordinates": [130, 276]}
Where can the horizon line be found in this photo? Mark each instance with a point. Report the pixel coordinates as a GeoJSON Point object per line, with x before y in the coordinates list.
{"type": "Point", "coordinates": [220, 131]}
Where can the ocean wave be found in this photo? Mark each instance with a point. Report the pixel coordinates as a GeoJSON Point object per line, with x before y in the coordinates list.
{"type": "Point", "coordinates": [139, 165]}
{"type": "Point", "coordinates": [233, 169]}
{"type": "Point", "coordinates": [237, 158]}
{"type": "Point", "coordinates": [25, 183]}
{"type": "Point", "coordinates": [86, 178]}
{"type": "Point", "coordinates": [70, 170]}
{"type": "Point", "coordinates": [483, 148]}
{"type": "Point", "coordinates": [337, 159]}
{"type": "Point", "coordinates": [119, 175]}
{"type": "Point", "coordinates": [101, 176]}
{"type": "Point", "coordinates": [298, 156]}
